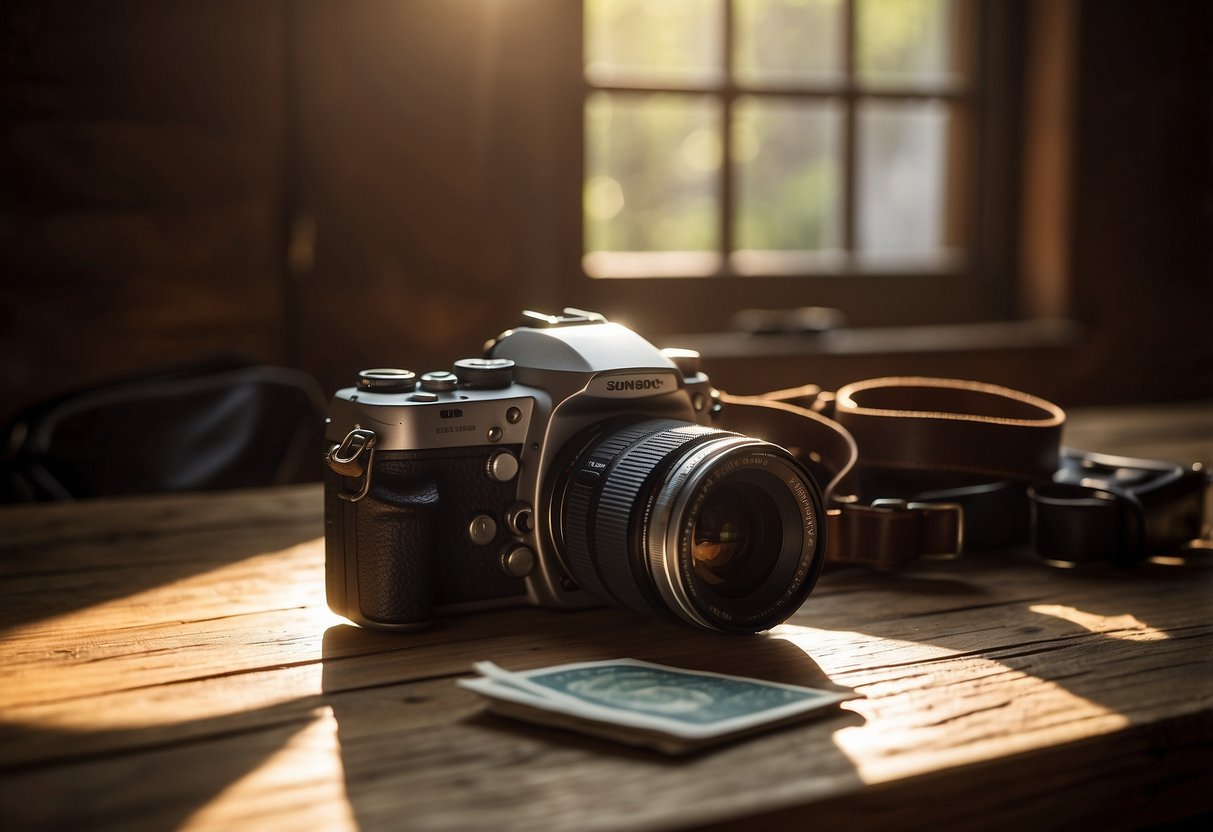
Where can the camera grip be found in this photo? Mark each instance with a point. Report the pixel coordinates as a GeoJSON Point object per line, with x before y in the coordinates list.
{"type": "Point", "coordinates": [396, 540]}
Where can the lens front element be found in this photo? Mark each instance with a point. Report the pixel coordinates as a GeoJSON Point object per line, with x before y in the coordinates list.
{"type": "Point", "coordinates": [736, 539]}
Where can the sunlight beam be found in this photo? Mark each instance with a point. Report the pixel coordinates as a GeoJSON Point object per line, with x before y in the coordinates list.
{"type": "Point", "coordinates": [300, 786]}
{"type": "Point", "coordinates": [1125, 627]}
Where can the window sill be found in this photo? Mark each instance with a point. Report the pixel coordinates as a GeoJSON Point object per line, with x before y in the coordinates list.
{"type": "Point", "coordinates": [876, 341]}
{"type": "Point", "coordinates": [1037, 356]}
{"type": "Point", "coordinates": [648, 265]}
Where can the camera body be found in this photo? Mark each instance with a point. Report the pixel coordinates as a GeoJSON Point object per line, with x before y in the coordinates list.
{"type": "Point", "coordinates": [469, 490]}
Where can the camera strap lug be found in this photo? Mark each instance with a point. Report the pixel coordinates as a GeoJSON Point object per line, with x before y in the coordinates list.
{"type": "Point", "coordinates": [346, 460]}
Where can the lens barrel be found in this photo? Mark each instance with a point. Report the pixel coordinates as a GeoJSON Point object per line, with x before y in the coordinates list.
{"type": "Point", "coordinates": [669, 518]}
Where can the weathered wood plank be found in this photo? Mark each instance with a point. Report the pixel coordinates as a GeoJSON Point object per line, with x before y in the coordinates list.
{"type": "Point", "coordinates": [169, 662]}
{"type": "Point", "coordinates": [421, 751]}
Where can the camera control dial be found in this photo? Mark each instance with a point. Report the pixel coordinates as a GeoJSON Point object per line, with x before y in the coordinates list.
{"type": "Point", "coordinates": [387, 380]}
{"type": "Point", "coordinates": [485, 373]}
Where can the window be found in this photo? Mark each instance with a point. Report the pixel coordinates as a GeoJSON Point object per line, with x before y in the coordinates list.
{"type": "Point", "coordinates": [792, 151]}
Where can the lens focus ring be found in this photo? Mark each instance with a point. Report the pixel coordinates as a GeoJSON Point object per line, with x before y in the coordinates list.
{"type": "Point", "coordinates": [600, 476]}
{"type": "Point", "coordinates": [621, 499]}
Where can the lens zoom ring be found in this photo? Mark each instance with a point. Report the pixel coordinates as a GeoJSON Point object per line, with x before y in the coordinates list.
{"type": "Point", "coordinates": [618, 442]}
{"type": "Point", "coordinates": [579, 546]}
{"type": "Point", "coordinates": [620, 500]}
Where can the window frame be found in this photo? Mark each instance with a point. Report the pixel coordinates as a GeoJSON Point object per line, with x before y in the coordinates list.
{"type": "Point", "coordinates": [979, 287]}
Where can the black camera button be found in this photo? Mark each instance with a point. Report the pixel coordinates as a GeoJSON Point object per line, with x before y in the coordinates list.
{"type": "Point", "coordinates": [517, 561]}
{"type": "Point", "coordinates": [502, 466]}
{"type": "Point", "coordinates": [482, 530]}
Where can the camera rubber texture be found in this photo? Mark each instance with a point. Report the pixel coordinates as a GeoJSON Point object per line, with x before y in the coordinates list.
{"type": "Point", "coordinates": [410, 541]}
{"type": "Point", "coordinates": [397, 528]}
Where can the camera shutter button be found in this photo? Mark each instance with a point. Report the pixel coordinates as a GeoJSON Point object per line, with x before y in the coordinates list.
{"type": "Point", "coordinates": [502, 466]}
{"type": "Point", "coordinates": [439, 381]}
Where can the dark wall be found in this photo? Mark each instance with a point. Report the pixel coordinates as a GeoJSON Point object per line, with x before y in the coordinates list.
{"type": "Point", "coordinates": [432, 140]}
{"type": "Point", "coordinates": [337, 185]}
{"type": "Point", "coordinates": [1143, 209]}
{"type": "Point", "coordinates": [141, 181]}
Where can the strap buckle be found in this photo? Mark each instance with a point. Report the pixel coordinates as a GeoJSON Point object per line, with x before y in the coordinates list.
{"type": "Point", "coordinates": [345, 459]}
{"type": "Point", "coordinates": [892, 533]}
{"type": "Point", "coordinates": [1102, 507]}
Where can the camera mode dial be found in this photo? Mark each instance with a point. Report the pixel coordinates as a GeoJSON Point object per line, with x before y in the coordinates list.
{"type": "Point", "coordinates": [485, 373]}
{"type": "Point", "coordinates": [387, 380]}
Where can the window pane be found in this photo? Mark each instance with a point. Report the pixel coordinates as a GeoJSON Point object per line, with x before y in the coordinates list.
{"type": "Point", "coordinates": [902, 176]}
{"type": "Point", "coordinates": [787, 163]}
{"type": "Point", "coordinates": [905, 41]}
{"type": "Point", "coordinates": [652, 172]}
{"type": "Point", "coordinates": [787, 41]}
{"type": "Point", "coordinates": [653, 40]}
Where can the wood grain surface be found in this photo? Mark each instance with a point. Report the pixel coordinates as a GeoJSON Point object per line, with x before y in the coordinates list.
{"type": "Point", "coordinates": [168, 662]}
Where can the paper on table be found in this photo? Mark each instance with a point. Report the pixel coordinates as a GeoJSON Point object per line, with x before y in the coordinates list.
{"type": "Point", "coordinates": [668, 708]}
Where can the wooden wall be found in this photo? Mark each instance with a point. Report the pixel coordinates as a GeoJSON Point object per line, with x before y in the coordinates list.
{"type": "Point", "coordinates": [141, 181]}
{"type": "Point", "coordinates": [1142, 224]}
{"type": "Point", "coordinates": [338, 185]}
{"type": "Point", "coordinates": [432, 141]}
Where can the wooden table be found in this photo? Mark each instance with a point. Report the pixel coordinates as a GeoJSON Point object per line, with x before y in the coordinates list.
{"type": "Point", "coordinates": [168, 662]}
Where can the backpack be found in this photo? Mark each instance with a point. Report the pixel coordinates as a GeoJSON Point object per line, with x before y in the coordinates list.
{"type": "Point", "coordinates": [207, 425]}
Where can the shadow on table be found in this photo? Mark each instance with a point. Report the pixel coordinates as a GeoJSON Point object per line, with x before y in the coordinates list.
{"type": "Point", "coordinates": [396, 738]}
{"type": "Point", "coordinates": [518, 764]}
{"type": "Point", "coordinates": [156, 777]}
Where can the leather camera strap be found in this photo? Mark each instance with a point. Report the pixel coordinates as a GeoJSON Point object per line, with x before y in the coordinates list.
{"type": "Point", "coordinates": [915, 465]}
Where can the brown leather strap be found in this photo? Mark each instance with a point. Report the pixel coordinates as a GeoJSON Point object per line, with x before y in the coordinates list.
{"type": "Point", "coordinates": [963, 427]}
{"type": "Point", "coordinates": [821, 443]}
{"type": "Point", "coordinates": [893, 534]}
{"type": "Point", "coordinates": [910, 424]}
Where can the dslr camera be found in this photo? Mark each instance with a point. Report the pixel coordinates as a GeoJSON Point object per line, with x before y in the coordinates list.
{"type": "Point", "coordinates": [574, 465]}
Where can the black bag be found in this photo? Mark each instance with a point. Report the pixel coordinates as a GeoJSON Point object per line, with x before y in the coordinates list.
{"type": "Point", "coordinates": [210, 425]}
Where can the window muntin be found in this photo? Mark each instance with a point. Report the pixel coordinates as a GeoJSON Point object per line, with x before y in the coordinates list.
{"type": "Point", "coordinates": [777, 137]}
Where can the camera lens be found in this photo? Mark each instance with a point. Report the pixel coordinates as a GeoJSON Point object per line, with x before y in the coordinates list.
{"type": "Point", "coordinates": [669, 518]}
{"type": "Point", "coordinates": [735, 539]}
